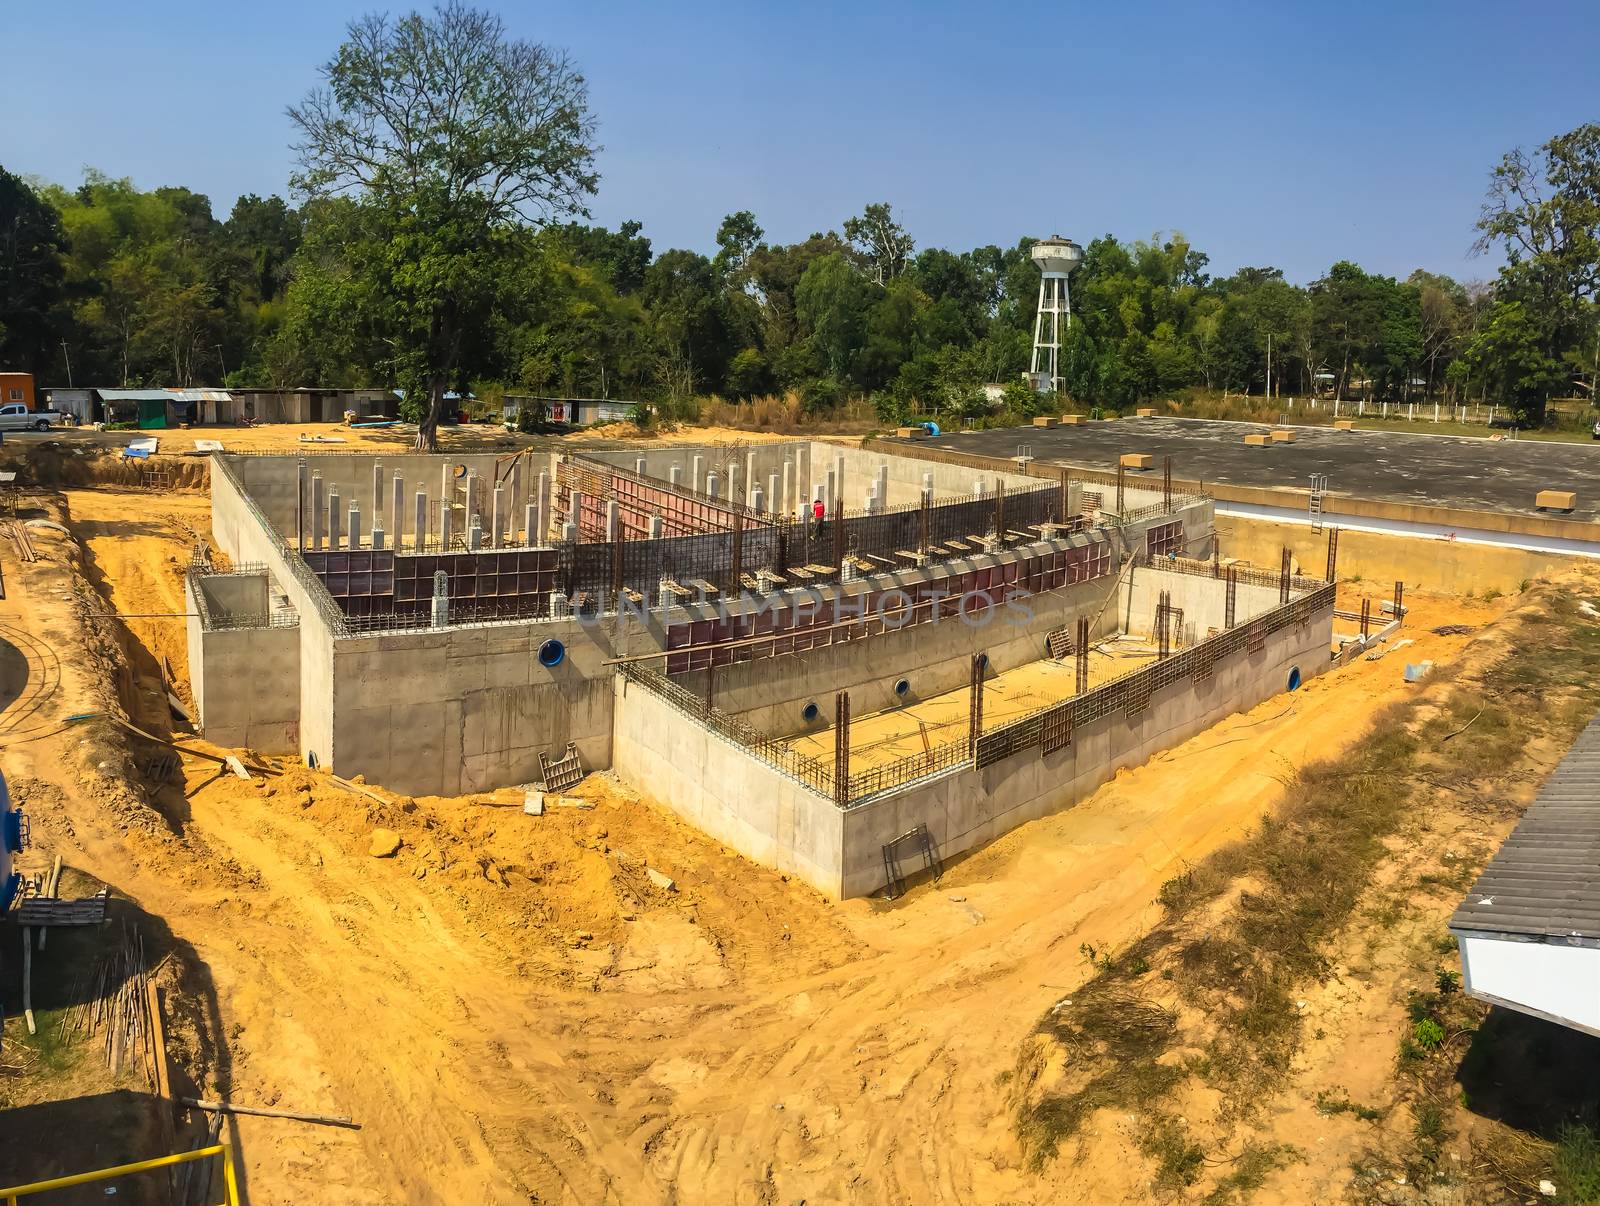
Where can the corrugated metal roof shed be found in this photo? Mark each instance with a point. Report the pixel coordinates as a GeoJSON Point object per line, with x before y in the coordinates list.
{"type": "Point", "coordinates": [133, 395]}
{"type": "Point", "coordinates": [1544, 882]}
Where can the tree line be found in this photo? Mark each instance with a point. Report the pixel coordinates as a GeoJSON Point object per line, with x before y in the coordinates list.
{"type": "Point", "coordinates": [457, 255]}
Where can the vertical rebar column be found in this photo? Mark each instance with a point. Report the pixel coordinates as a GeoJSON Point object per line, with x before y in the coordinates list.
{"type": "Point", "coordinates": [300, 506]}
{"type": "Point", "coordinates": [841, 749]}
{"type": "Point", "coordinates": [713, 485]}
{"type": "Point", "coordinates": [497, 515]}
{"type": "Point", "coordinates": [1333, 554]}
{"type": "Point", "coordinates": [924, 518]}
{"type": "Point", "coordinates": [783, 502]}
{"type": "Point", "coordinates": [1000, 510]}
{"type": "Point", "coordinates": [333, 520]}
{"type": "Point", "coordinates": [541, 514]}
{"type": "Point", "coordinates": [1122, 473]}
{"type": "Point", "coordinates": [749, 473]}
{"type": "Point", "coordinates": [377, 491]}
{"type": "Point", "coordinates": [471, 517]}
{"type": "Point", "coordinates": [1163, 611]}
{"type": "Point", "coordinates": [975, 704]}
{"type": "Point", "coordinates": [316, 511]}
{"type": "Point", "coordinates": [419, 537]}
{"type": "Point", "coordinates": [441, 599]}
{"type": "Point", "coordinates": [1399, 601]}
{"type": "Point", "coordinates": [1166, 486]}
{"type": "Point", "coordinates": [1283, 577]}
{"type": "Point", "coordinates": [736, 556]}
{"type": "Point", "coordinates": [838, 535]}
{"type": "Point", "coordinates": [774, 498]}
{"type": "Point", "coordinates": [1231, 599]}
{"type": "Point", "coordinates": [446, 523]}
{"type": "Point", "coordinates": [697, 474]}
{"type": "Point", "coordinates": [1066, 495]}
{"type": "Point", "coordinates": [1081, 654]}
{"type": "Point", "coordinates": [1366, 616]}
{"type": "Point", "coordinates": [617, 565]}
{"type": "Point", "coordinates": [575, 510]}
{"type": "Point", "coordinates": [1216, 559]}
{"type": "Point", "coordinates": [355, 527]}
{"type": "Point", "coordinates": [398, 495]}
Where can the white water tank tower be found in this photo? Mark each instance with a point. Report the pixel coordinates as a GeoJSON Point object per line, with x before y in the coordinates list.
{"type": "Point", "coordinates": [1057, 259]}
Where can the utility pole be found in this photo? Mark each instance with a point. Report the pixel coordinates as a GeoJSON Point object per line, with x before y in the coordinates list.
{"type": "Point", "coordinates": [221, 362]}
{"type": "Point", "coordinates": [1269, 364]}
{"type": "Point", "coordinates": [68, 356]}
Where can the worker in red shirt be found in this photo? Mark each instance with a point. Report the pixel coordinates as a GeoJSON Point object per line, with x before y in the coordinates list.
{"type": "Point", "coordinates": [818, 514]}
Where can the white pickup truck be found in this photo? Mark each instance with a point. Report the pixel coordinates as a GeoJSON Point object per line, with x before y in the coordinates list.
{"type": "Point", "coordinates": [15, 416]}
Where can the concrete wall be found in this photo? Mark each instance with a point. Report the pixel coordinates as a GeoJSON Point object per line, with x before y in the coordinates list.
{"type": "Point", "coordinates": [241, 534]}
{"type": "Point", "coordinates": [968, 807]}
{"type": "Point", "coordinates": [1455, 567]}
{"type": "Point", "coordinates": [448, 711]}
{"type": "Point", "coordinates": [1202, 600]}
{"type": "Point", "coordinates": [724, 792]}
{"type": "Point", "coordinates": [273, 482]}
{"type": "Point", "coordinates": [246, 681]}
{"type": "Point", "coordinates": [236, 597]}
{"type": "Point", "coordinates": [769, 693]}
{"type": "Point", "coordinates": [753, 807]}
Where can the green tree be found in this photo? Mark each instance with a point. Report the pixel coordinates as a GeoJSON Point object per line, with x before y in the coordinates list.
{"type": "Point", "coordinates": [32, 278]}
{"type": "Point", "coordinates": [880, 244]}
{"type": "Point", "coordinates": [1508, 354]}
{"type": "Point", "coordinates": [831, 302]}
{"type": "Point", "coordinates": [455, 140]}
{"type": "Point", "coordinates": [1544, 214]}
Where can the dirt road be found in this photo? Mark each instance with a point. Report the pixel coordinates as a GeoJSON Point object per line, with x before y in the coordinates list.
{"type": "Point", "coordinates": [511, 1018]}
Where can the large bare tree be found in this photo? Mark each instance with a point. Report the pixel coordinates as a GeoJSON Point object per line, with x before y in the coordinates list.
{"type": "Point", "coordinates": [455, 139]}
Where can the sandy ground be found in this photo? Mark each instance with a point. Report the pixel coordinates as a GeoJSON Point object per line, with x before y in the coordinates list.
{"type": "Point", "coordinates": [877, 738]}
{"type": "Point", "coordinates": [513, 1014]}
{"type": "Point", "coordinates": [290, 437]}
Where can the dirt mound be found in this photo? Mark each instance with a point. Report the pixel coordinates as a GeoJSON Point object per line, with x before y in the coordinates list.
{"type": "Point", "coordinates": [59, 463]}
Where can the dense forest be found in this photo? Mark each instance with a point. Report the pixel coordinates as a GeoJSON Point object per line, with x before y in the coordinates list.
{"type": "Point", "coordinates": [111, 285]}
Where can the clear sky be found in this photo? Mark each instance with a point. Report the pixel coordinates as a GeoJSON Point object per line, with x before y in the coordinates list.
{"type": "Point", "coordinates": [1290, 134]}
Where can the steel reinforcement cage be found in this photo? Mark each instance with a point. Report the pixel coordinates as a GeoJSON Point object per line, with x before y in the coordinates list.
{"type": "Point", "coordinates": [273, 617]}
{"type": "Point", "coordinates": [729, 561]}
{"type": "Point", "coordinates": [1045, 729]}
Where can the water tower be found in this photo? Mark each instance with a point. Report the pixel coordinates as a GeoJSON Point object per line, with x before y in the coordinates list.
{"type": "Point", "coordinates": [1057, 258]}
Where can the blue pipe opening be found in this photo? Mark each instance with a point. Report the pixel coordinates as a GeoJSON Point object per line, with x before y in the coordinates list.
{"type": "Point", "coordinates": [810, 712]}
{"type": "Point", "coordinates": [552, 653]}
{"type": "Point", "coordinates": [902, 686]}
{"type": "Point", "coordinates": [1294, 678]}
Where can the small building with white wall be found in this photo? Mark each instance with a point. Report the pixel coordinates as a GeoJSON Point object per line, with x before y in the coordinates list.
{"type": "Point", "coordinates": [1529, 931]}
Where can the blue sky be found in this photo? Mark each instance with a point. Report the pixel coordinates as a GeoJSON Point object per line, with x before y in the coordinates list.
{"type": "Point", "coordinates": [1269, 133]}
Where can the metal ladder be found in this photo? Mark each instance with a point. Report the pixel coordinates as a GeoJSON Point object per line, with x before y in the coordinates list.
{"type": "Point", "coordinates": [921, 843]}
{"type": "Point", "coordinates": [1319, 487]}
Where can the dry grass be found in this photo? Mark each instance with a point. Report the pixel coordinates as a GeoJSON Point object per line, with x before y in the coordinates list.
{"type": "Point", "coordinates": [786, 413]}
{"type": "Point", "coordinates": [1246, 929]}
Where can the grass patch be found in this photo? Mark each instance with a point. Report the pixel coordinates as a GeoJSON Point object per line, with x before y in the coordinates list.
{"type": "Point", "coordinates": [1178, 1158]}
{"type": "Point", "coordinates": [1305, 869]}
{"type": "Point", "coordinates": [1250, 1171]}
{"type": "Point", "coordinates": [1576, 1161]}
{"type": "Point", "coordinates": [1329, 1105]}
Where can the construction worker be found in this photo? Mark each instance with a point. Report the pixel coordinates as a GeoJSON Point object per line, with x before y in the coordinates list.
{"type": "Point", "coordinates": [819, 515]}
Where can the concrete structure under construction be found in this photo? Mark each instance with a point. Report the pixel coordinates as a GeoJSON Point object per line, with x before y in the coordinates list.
{"type": "Point", "coordinates": [444, 624]}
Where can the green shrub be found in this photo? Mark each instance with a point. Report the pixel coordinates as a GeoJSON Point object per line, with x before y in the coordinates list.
{"type": "Point", "coordinates": [1429, 1034]}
